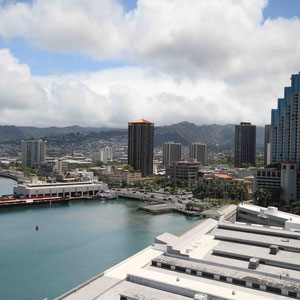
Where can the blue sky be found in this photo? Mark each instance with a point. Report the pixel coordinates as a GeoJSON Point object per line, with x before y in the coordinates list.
{"type": "Point", "coordinates": [47, 63]}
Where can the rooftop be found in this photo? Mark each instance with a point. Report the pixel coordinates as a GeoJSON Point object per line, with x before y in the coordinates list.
{"type": "Point", "coordinates": [140, 121]}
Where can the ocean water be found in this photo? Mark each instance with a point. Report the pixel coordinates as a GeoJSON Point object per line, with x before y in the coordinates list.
{"type": "Point", "coordinates": [75, 242]}
{"type": "Point", "coordinates": [6, 186]}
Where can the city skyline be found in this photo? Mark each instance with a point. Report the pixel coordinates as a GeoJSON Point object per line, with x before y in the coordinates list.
{"type": "Point", "coordinates": [117, 63]}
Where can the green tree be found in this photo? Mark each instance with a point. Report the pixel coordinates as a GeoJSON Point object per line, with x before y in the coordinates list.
{"type": "Point", "coordinates": [295, 208]}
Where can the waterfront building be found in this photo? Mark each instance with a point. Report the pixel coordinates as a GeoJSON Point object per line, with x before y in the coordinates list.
{"type": "Point", "coordinates": [33, 152]}
{"type": "Point", "coordinates": [210, 260]}
{"type": "Point", "coordinates": [56, 189]}
{"type": "Point", "coordinates": [119, 176]}
{"type": "Point", "coordinates": [140, 146]}
{"type": "Point", "coordinates": [284, 124]}
{"type": "Point", "coordinates": [245, 144]}
{"type": "Point", "coordinates": [171, 153]}
{"type": "Point", "coordinates": [268, 145]}
{"type": "Point", "coordinates": [198, 151]}
{"type": "Point", "coordinates": [184, 171]}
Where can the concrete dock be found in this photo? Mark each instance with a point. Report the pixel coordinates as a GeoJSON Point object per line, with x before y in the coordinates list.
{"type": "Point", "coordinates": [157, 209]}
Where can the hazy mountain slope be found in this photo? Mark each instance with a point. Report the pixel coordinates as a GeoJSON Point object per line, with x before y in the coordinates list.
{"type": "Point", "coordinates": [214, 136]}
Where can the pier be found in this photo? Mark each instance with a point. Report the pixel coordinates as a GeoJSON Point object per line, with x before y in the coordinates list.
{"type": "Point", "coordinates": [157, 209]}
{"type": "Point", "coordinates": [13, 176]}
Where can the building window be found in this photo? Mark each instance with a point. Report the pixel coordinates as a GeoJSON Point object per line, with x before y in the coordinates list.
{"type": "Point", "coordinates": [273, 289]}
{"type": "Point", "coordinates": [292, 167]}
{"type": "Point", "coordinates": [165, 266]}
{"type": "Point", "coordinates": [240, 282]}
{"type": "Point", "coordinates": [292, 294]}
{"type": "Point", "coordinates": [180, 269]}
{"type": "Point", "coordinates": [207, 275]}
{"type": "Point", "coordinates": [284, 167]}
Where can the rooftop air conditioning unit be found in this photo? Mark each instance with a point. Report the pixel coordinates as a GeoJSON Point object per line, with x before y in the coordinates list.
{"type": "Point", "coordinates": [253, 263]}
{"type": "Point", "coordinates": [200, 297]}
{"type": "Point", "coordinates": [274, 249]}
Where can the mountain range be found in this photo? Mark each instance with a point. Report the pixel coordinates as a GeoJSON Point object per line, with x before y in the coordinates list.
{"type": "Point", "coordinates": [216, 137]}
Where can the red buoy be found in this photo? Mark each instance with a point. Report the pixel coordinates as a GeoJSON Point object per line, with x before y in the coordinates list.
{"type": "Point", "coordinates": [37, 227]}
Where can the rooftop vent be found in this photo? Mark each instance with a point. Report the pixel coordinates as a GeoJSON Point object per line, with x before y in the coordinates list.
{"type": "Point", "coordinates": [253, 263]}
{"type": "Point", "coordinates": [274, 249]}
{"type": "Point", "coordinates": [200, 297]}
{"type": "Point", "coordinates": [273, 210]}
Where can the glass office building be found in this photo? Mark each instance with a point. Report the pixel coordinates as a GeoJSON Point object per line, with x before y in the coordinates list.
{"type": "Point", "coordinates": [285, 125]}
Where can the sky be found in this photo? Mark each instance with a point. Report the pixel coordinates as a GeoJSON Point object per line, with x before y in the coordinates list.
{"type": "Point", "coordinates": [107, 62]}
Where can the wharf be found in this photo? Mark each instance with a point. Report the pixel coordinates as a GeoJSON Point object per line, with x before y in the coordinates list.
{"type": "Point", "coordinates": [138, 196]}
{"type": "Point", "coordinates": [187, 212]}
{"type": "Point", "coordinates": [26, 203]}
{"type": "Point", "coordinates": [40, 201]}
{"type": "Point", "coordinates": [165, 208]}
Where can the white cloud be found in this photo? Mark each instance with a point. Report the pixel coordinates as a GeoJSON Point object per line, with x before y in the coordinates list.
{"type": "Point", "coordinates": [207, 61]}
{"type": "Point", "coordinates": [18, 90]}
{"type": "Point", "coordinates": [96, 28]}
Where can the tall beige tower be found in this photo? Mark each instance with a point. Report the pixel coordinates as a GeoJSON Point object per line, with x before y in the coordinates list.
{"type": "Point", "coordinates": [198, 152]}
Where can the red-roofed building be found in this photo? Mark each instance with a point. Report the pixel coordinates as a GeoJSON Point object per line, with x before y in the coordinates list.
{"type": "Point", "coordinates": [140, 121]}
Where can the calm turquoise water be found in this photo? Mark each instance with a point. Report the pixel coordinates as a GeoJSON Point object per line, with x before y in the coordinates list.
{"type": "Point", "coordinates": [74, 243]}
{"type": "Point", "coordinates": [6, 186]}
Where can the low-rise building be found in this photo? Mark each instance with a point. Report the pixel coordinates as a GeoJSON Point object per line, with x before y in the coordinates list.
{"type": "Point", "coordinates": [120, 176]}
{"type": "Point", "coordinates": [270, 216]}
{"type": "Point", "coordinates": [226, 181]}
{"type": "Point", "coordinates": [60, 189]}
{"type": "Point", "coordinates": [226, 212]}
{"type": "Point", "coordinates": [184, 171]}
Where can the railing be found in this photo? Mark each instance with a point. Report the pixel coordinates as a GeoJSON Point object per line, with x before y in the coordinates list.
{"type": "Point", "coordinates": [12, 176]}
{"type": "Point", "coordinates": [79, 287]}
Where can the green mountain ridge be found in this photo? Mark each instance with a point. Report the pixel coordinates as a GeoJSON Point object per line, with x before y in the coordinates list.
{"type": "Point", "coordinates": [216, 137]}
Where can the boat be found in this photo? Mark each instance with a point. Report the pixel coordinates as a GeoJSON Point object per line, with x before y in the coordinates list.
{"type": "Point", "coordinates": [108, 195]}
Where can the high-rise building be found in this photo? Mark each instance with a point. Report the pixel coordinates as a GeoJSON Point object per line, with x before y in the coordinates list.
{"type": "Point", "coordinates": [284, 124]}
{"type": "Point", "coordinates": [198, 152]}
{"type": "Point", "coordinates": [140, 146]}
{"type": "Point", "coordinates": [267, 146]}
{"type": "Point", "coordinates": [105, 154]}
{"type": "Point", "coordinates": [33, 152]}
{"type": "Point", "coordinates": [171, 153]}
{"type": "Point", "coordinates": [245, 144]}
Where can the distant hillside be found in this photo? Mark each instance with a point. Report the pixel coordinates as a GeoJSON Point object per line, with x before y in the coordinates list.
{"type": "Point", "coordinates": [216, 137]}
{"type": "Point", "coordinates": [11, 133]}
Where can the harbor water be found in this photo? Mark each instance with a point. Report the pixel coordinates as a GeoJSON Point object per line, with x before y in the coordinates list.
{"type": "Point", "coordinates": [74, 242]}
